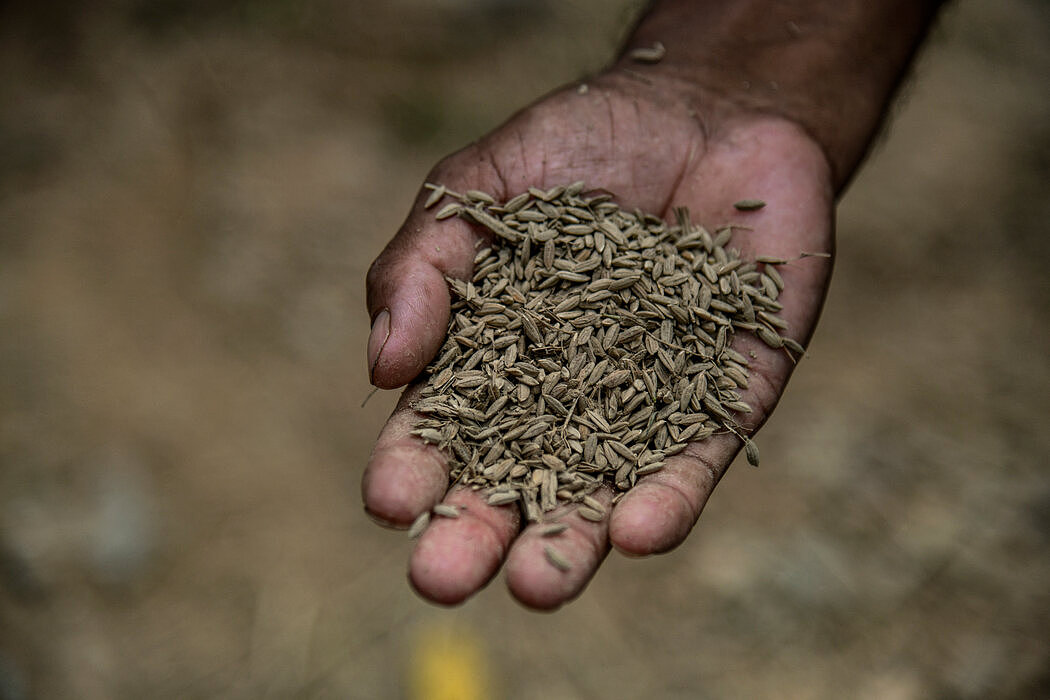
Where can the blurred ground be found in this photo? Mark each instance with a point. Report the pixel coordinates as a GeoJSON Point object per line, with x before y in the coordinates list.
{"type": "Point", "coordinates": [189, 198]}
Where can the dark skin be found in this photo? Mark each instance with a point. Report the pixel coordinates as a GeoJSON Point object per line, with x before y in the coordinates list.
{"type": "Point", "coordinates": [694, 130]}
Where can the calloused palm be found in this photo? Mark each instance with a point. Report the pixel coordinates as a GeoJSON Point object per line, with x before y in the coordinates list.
{"type": "Point", "coordinates": [655, 152]}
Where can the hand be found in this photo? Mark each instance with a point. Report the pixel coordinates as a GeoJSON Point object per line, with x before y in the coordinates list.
{"type": "Point", "coordinates": [653, 150]}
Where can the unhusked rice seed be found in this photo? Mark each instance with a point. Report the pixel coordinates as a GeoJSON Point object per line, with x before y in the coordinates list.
{"type": "Point", "coordinates": [553, 529]}
{"type": "Point", "coordinates": [556, 559]}
{"type": "Point", "coordinates": [749, 204]}
{"type": "Point", "coordinates": [446, 511]}
{"type": "Point", "coordinates": [419, 525]}
{"type": "Point", "coordinates": [591, 344]}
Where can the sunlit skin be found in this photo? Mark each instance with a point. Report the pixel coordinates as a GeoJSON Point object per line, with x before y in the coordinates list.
{"type": "Point", "coordinates": [690, 131]}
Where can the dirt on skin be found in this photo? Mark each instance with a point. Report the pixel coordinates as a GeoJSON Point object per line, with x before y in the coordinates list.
{"type": "Point", "coordinates": [189, 199]}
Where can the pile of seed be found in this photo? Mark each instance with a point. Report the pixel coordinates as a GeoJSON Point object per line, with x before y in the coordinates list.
{"type": "Point", "coordinates": [590, 344]}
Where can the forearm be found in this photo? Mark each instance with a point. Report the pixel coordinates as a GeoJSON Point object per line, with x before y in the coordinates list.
{"type": "Point", "coordinates": [831, 66]}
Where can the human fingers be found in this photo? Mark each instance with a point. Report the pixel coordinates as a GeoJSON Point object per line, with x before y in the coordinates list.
{"type": "Point", "coordinates": [407, 295]}
{"type": "Point", "coordinates": [549, 566]}
{"type": "Point", "coordinates": [404, 476]}
{"type": "Point", "coordinates": [659, 512]}
{"type": "Point", "coordinates": [790, 177]}
{"type": "Point", "coordinates": [457, 556]}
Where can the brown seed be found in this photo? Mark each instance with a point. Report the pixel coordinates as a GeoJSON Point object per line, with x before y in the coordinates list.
{"type": "Point", "coordinates": [435, 196]}
{"type": "Point", "coordinates": [593, 503]}
{"type": "Point", "coordinates": [775, 276]}
{"type": "Point", "coordinates": [751, 450]}
{"type": "Point", "coordinates": [589, 344]}
{"type": "Point", "coordinates": [501, 498]}
{"type": "Point", "coordinates": [648, 54]}
{"type": "Point", "coordinates": [595, 516]}
{"type": "Point", "coordinates": [769, 337]}
{"type": "Point", "coordinates": [749, 204]}
{"type": "Point", "coordinates": [553, 529]}
{"type": "Point", "coordinates": [516, 203]}
{"type": "Point", "coordinates": [689, 432]}
{"type": "Point", "coordinates": [419, 525]}
{"type": "Point", "coordinates": [649, 468]}
{"type": "Point", "coordinates": [616, 378]}
{"type": "Point", "coordinates": [479, 196]}
{"type": "Point", "coordinates": [448, 211]}
{"type": "Point", "coordinates": [446, 511]}
{"type": "Point", "coordinates": [553, 462]}
{"type": "Point", "coordinates": [772, 320]}
{"type": "Point", "coordinates": [556, 559]}
{"type": "Point", "coordinates": [497, 472]}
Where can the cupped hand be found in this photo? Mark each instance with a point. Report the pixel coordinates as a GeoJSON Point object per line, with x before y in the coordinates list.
{"type": "Point", "coordinates": [641, 141]}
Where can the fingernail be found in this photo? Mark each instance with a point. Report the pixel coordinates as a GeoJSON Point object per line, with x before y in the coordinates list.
{"type": "Point", "coordinates": [377, 340]}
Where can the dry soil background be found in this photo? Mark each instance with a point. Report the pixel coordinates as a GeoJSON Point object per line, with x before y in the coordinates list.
{"type": "Point", "coordinates": [189, 199]}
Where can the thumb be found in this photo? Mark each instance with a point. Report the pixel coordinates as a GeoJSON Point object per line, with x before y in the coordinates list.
{"type": "Point", "coordinates": [408, 298]}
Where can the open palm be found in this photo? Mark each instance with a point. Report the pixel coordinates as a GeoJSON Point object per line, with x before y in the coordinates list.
{"type": "Point", "coordinates": [652, 151]}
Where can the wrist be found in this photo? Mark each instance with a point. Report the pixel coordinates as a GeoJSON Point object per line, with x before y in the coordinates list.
{"type": "Point", "coordinates": [829, 68]}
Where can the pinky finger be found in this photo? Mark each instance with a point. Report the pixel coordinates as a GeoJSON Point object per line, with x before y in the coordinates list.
{"type": "Point", "coordinates": [659, 512]}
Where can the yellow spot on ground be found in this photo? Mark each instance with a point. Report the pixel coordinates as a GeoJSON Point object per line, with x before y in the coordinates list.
{"type": "Point", "coordinates": [448, 663]}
